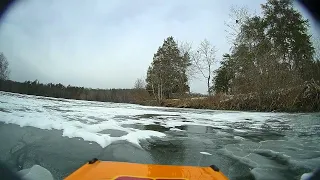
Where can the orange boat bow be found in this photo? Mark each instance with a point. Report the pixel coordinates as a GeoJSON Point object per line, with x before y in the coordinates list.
{"type": "Point", "coordinates": [96, 170]}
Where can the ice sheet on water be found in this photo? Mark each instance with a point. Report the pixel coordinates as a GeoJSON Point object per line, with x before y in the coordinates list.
{"type": "Point", "coordinates": [269, 156]}
{"type": "Point", "coordinates": [86, 120]}
{"type": "Point", "coordinates": [266, 173]}
{"type": "Point", "coordinates": [71, 121]}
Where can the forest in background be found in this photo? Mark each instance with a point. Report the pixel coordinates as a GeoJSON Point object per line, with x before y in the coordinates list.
{"type": "Point", "coordinates": [273, 65]}
{"type": "Point", "coordinates": [72, 92]}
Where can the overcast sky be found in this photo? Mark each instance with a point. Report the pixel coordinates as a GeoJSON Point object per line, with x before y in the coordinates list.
{"type": "Point", "coordinates": [106, 43]}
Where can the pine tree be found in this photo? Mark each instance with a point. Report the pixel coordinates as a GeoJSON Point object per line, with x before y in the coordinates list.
{"type": "Point", "coordinates": [221, 82]}
{"type": "Point", "coordinates": [167, 73]}
{"type": "Point", "coordinates": [288, 32]}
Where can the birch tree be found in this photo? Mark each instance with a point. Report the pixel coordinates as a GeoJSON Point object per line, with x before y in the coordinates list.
{"type": "Point", "coordinates": [203, 60]}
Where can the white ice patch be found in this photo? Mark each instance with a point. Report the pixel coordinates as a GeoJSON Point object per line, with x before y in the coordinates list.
{"type": "Point", "coordinates": [239, 130]}
{"type": "Point", "coordinates": [87, 119]}
{"type": "Point", "coordinates": [68, 116]}
{"type": "Point", "coordinates": [135, 137]}
{"type": "Point", "coordinates": [175, 129]}
{"type": "Point", "coordinates": [205, 153]}
{"type": "Point", "coordinates": [239, 138]}
{"type": "Point", "coordinates": [306, 176]}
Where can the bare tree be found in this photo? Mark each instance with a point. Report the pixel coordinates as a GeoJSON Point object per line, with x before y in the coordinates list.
{"type": "Point", "coordinates": [237, 17]}
{"type": "Point", "coordinates": [203, 60]}
{"type": "Point", "coordinates": [139, 84]}
{"type": "Point", "coordinates": [4, 70]}
{"type": "Point", "coordinates": [186, 48]}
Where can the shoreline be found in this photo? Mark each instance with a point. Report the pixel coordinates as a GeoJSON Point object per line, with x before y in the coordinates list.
{"type": "Point", "coordinates": [300, 99]}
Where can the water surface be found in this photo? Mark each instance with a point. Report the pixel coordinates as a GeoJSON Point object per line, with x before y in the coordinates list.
{"type": "Point", "coordinates": [61, 135]}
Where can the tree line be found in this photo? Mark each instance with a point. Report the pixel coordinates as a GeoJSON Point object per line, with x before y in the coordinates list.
{"type": "Point", "coordinates": [73, 92]}
{"type": "Point", "coordinates": [271, 52]}
{"type": "Point", "coordinates": [138, 94]}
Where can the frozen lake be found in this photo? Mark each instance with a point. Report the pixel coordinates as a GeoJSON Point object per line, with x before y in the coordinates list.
{"type": "Point", "coordinates": [61, 135]}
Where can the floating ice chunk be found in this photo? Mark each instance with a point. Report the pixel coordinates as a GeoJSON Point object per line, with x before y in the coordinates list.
{"type": "Point", "coordinates": [306, 176]}
{"type": "Point", "coordinates": [36, 172]}
{"type": "Point", "coordinates": [135, 137]}
{"type": "Point", "coordinates": [239, 138]}
{"type": "Point", "coordinates": [102, 139]}
{"type": "Point", "coordinates": [175, 129]}
{"type": "Point", "coordinates": [239, 130]}
{"type": "Point", "coordinates": [205, 153]}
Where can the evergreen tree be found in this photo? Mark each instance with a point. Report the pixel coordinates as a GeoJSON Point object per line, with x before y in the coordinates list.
{"type": "Point", "coordinates": [221, 82]}
{"type": "Point", "coordinates": [167, 73]}
{"type": "Point", "coordinates": [271, 52]}
{"type": "Point", "coordinates": [288, 32]}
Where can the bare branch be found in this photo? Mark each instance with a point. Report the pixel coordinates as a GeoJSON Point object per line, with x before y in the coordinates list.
{"type": "Point", "coordinates": [204, 59]}
{"type": "Point", "coordinates": [186, 47]}
{"type": "Point", "coordinates": [139, 84]}
{"type": "Point", "coordinates": [197, 63]}
{"type": "Point", "coordinates": [237, 17]}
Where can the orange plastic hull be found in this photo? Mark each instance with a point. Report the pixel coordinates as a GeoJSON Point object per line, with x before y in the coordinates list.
{"type": "Point", "coordinates": [132, 171]}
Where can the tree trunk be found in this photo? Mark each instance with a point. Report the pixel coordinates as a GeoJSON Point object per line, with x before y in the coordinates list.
{"type": "Point", "coordinates": [208, 84]}
{"type": "Point", "coordinates": [159, 93]}
{"type": "Point", "coordinates": [154, 92]}
{"type": "Point", "coordinates": [208, 80]}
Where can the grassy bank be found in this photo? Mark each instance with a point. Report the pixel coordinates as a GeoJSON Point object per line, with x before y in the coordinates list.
{"type": "Point", "coordinates": [305, 98]}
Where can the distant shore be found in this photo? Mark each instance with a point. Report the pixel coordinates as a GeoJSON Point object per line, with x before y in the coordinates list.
{"type": "Point", "coordinates": [303, 98]}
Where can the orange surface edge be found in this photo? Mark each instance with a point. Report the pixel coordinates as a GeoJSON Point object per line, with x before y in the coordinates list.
{"type": "Point", "coordinates": [112, 170]}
